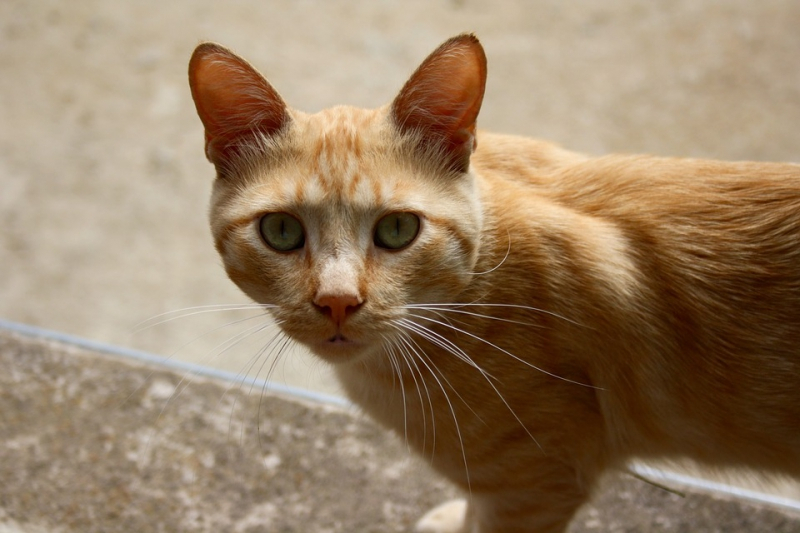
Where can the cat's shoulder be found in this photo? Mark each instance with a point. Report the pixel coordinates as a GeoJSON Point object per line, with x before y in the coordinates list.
{"type": "Point", "coordinates": [501, 155]}
{"type": "Point", "coordinates": [502, 152]}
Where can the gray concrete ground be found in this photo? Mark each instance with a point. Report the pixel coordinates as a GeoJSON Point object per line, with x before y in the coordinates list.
{"type": "Point", "coordinates": [95, 443]}
{"type": "Point", "coordinates": [103, 185]}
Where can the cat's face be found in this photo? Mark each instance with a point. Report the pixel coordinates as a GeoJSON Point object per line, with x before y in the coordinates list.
{"type": "Point", "coordinates": [343, 219]}
{"type": "Point", "coordinates": [344, 214]}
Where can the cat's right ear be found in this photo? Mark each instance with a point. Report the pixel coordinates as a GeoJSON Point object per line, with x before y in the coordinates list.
{"type": "Point", "coordinates": [438, 106]}
{"type": "Point", "coordinates": [234, 102]}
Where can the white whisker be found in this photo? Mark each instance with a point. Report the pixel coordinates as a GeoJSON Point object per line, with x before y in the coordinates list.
{"type": "Point", "coordinates": [499, 395]}
{"type": "Point", "coordinates": [213, 353]}
{"type": "Point", "coordinates": [285, 341]}
{"type": "Point", "coordinates": [281, 349]}
{"type": "Point", "coordinates": [428, 362]}
{"type": "Point", "coordinates": [219, 349]}
{"type": "Point", "coordinates": [193, 311]}
{"type": "Point", "coordinates": [188, 378]}
{"type": "Point", "coordinates": [247, 368]}
{"type": "Point", "coordinates": [440, 311]}
{"type": "Point", "coordinates": [498, 265]}
{"type": "Point", "coordinates": [496, 347]}
{"type": "Point", "coordinates": [269, 349]}
{"type": "Point", "coordinates": [398, 374]}
{"type": "Point", "coordinates": [408, 357]}
{"type": "Point", "coordinates": [510, 306]}
{"type": "Point", "coordinates": [441, 341]}
{"type": "Point", "coordinates": [210, 354]}
{"type": "Point", "coordinates": [455, 420]}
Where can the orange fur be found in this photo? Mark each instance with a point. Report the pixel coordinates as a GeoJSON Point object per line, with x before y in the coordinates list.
{"type": "Point", "coordinates": [555, 316]}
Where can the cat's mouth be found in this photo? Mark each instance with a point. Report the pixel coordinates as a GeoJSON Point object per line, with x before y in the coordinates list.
{"type": "Point", "coordinates": [339, 339]}
{"type": "Point", "coordinates": [338, 348]}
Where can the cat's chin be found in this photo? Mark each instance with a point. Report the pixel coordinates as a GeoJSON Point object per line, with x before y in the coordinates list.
{"type": "Point", "coordinates": [339, 350]}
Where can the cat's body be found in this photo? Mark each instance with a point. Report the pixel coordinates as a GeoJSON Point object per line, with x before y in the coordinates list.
{"type": "Point", "coordinates": [549, 316]}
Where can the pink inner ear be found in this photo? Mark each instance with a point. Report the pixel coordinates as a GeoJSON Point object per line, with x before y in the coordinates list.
{"type": "Point", "coordinates": [443, 97]}
{"type": "Point", "coordinates": [232, 99]}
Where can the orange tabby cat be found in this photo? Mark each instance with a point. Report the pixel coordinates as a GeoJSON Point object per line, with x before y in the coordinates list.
{"type": "Point", "coordinates": [525, 316]}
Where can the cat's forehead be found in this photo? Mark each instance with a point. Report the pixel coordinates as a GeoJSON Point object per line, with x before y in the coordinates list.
{"type": "Point", "coordinates": [336, 133]}
{"type": "Point", "coordinates": [343, 120]}
{"type": "Point", "coordinates": [346, 155]}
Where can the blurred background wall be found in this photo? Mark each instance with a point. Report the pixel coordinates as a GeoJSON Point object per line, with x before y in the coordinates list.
{"type": "Point", "coordinates": [104, 186]}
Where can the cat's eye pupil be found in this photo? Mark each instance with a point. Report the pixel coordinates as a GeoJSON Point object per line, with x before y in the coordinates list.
{"type": "Point", "coordinates": [282, 231]}
{"type": "Point", "coordinates": [396, 230]}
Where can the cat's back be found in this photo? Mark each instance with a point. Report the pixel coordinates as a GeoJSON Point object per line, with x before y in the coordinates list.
{"type": "Point", "coordinates": [523, 160]}
{"type": "Point", "coordinates": [710, 200]}
{"type": "Point", "coordinates": [614, 179]}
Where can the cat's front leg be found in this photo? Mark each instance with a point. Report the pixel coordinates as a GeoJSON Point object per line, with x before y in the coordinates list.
{"type": "Point", "coordinates": [449, 517]}
{"type": "Point", "coordinates": [499, 514]}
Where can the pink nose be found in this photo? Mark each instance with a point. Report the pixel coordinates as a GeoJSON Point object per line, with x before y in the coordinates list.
{"type": "Point", "coordinates": [338, 306]}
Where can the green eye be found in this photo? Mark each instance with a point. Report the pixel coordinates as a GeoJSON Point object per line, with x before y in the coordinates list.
{"type": "Point", "coordinates": [282, 232]}
{"type": "Point", "coordinates": [396, 230]}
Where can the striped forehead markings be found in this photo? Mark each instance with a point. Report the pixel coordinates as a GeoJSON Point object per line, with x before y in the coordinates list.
{"type": "Point", "coordinates": [338, 166]}
{"type": "Point", "coordinates": [356, 188]}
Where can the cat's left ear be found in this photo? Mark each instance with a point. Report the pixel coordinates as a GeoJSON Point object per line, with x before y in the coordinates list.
{"type": "Point", "coordinates": [438, 106]}
{"type": "Point", "coordinates": [234, 102]}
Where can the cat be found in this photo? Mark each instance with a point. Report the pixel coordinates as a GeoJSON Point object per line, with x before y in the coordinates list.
{"type": "Point", "coordinates": [526, 317]}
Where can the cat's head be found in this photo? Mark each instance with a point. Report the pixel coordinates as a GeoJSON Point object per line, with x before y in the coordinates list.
{"type": "Point", "coordinates": [343, 218]}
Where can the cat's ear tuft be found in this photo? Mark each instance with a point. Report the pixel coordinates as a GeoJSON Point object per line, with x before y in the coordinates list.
{"type": "Point", "coordinates": [439, 104]}
{"type": "Point", "coordinates": [234, 102]}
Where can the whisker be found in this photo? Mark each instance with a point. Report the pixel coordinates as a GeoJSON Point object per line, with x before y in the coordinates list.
{"type": "Point", "coordinates": [208, 355]}
{"type": "Point", "coordinates": [251, 363]}
{"type": "Point", "coordinates": [496, 347]}
{"type": "Point", "coordinates": [211, 354]}
{"type": "Point", "coordinates": [285, 342]}
{"type": "Point", "coordinates": [192, 311]}
{"type": "Point", "coordinates": [406, 348]}
{"type": "Point", "coordinates": [281, 349]}
{"type": "Point", "coordinates": [512, 306]}
{"type": "Point", "coordinates": [247, 369]}
{"type": "Point", "coordinates": [499, 395]}
{"type": "Point", "coordinates": [216, 352]}
{"type": "Point", "coordinates": [439, 312]}
{"type": "Point", "coordinates": [441, 341]}
{"type": "Point", "coordinates": [428, 362]}
{"type": "Point", "coordinates": [399, 376]}
{"type": "Point", "coordinates": [188, 378]}
{"type": "Point", "coordinates": [498, 265]}
{"type": "Point", "coordinates": [455, 422]}
{"type": "Point", "coordinates": [409, 360]}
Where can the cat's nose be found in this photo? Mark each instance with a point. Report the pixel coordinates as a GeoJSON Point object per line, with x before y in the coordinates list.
{"type": "Point", "coordinates": [338, 306]}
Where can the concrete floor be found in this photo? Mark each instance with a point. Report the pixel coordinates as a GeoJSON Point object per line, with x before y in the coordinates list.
{"type": "Point", "coordinates": [95, 442]}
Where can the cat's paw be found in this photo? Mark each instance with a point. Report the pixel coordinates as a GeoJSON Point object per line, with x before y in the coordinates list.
{"type": "Point", "coordinates": [449, 517]}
